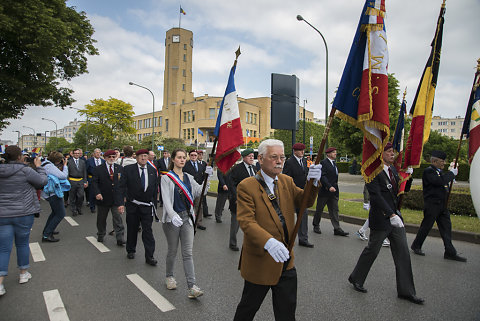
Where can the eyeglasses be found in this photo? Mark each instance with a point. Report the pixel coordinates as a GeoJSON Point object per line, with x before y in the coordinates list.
{"type": "Point", "coordinates": [111, 156]}
{"type": "Point", "coordinates": [276, 157]}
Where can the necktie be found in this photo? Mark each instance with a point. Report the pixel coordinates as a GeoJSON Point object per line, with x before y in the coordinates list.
{"type": "Point", "coordinates": [275, 190]}
{"type": "Point", "coordinates": [195, 165]}
{"type": "Point", "coordinates": [142, 177]}
{"type": "Point", "coordinates": [111, 173]}
{"type": "Point", "coordinates": [76, 162]}
{"type": "Point", "coordinates": [251, 170]}
{"type": "Point", "coordinates": [392, 178]}
{"type": "Point", "coordinates": [335, 166]}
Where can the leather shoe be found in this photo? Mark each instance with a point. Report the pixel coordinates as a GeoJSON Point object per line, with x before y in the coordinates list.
{"type": "Point", "coordinates": [234, 248]}
{"type": "Point", "coordinates": [120, 243]}
{"type": "Point", "coordinates": [340, 232]}
{"type": "Point", "coordinates": [306, 244]}
{"type": "Point", "coordinates": [55, 232]}
{"type": "Point", "coordinates": [131, 255]}
{"type": "Point", "coordinates": [80, 212]}
{"type": "Point", "coordinates": [316, 229]}
{"type": "Point", "coordinates": [207, 215]}
{"type": "Point", "coordinates": [218, 220]}
{"type": "Point", "coordinates": [111, 232]}
{"type": "Point", "coordinates": [100, 239]}
{"type": "Point", "coordinates": [201, 227]}
{"type": "Point", "coordinates": [151, 261]}
{"type": "Point", "coordinates": [455, 257]}
{"type": "Point", "coordinates": [412, 298]}
{"type": "Point", "coordinates": [418, 251]}
{"type": "Point", "coordinates": [50, 239]}
{"type": "Point", "coordinates": [93, 210]}
{"type": "Point", "coordinates": [357, 286]}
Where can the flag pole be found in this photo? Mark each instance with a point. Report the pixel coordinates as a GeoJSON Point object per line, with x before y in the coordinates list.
{"type": "Point", "coordinates": [400, 199]}
{"type": "Point", "coordinates": [180, 17]}
{"type": "Point", "coordinates": [308, 187]}
{"type": "Point", "coordinates": [211, 159]}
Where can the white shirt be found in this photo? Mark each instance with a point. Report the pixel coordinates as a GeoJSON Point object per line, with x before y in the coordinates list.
{"type": "Point", "coordinates": [146, 175]}
{"type": "Point", "coordinates": [248, 168]}
{"type": "Point", "coordinates": [334, 166]}
{"type": "Point", "coordinates": [98, 162]}
{"type": "Point", "coordinates": [299, 160]}
{"type": "Point", "coordinates": [269, 181]}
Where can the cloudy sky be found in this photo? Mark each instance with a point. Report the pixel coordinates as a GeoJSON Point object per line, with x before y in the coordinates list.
{"type": "Point", "coordinates": [131, 42]}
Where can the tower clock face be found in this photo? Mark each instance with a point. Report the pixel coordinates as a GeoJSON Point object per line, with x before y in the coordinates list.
{"type": "Point", "coordinates": [176, 38]}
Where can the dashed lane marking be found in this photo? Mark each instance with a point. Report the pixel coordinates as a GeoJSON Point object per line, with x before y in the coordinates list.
{"type": "Point", "coordinates": [151, 293]}
{"type": "Point", "coordinates": [37, 253]}
{"type": "Point", "coordinates": [102, 248]}
{"type": "Point", "coordinates": [56, 309]}
{"type": "Point", "coordinates": [70, 220]}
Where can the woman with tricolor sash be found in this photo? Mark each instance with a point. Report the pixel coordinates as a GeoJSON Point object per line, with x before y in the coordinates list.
{"type": "Point", "coordinates": [179, 189]}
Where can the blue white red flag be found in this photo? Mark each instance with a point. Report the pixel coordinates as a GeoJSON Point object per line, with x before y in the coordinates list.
{"type": "Point", "coordinates": [471, 124]}
{"type": "Point", "coordinates": [398, 146]}
{"type": "Point", "coordinates": [229, 128]}
{"type": "Point", "coordinates": [362, 96]}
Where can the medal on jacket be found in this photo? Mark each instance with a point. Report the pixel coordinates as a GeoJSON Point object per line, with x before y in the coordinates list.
{"type": "Point", "coordinates": [389, 186]}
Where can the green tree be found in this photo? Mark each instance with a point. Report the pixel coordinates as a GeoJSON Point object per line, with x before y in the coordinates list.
{"type": "Point", "coordinates": [58, 143]}
{"type": "Point", "coordinates": [108, 120]}
{"type": "Point", "coordinates": [43, 43]}
{"type": "Point", "coordinates": [311, 129]}
{"type": "Point", "coordinates": [437, 141]}
{"type": "Point", "coordinates": [168, 143]}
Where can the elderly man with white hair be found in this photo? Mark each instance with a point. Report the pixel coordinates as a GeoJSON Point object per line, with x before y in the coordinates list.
{"type": "Point", "coordinates": [266, 206]}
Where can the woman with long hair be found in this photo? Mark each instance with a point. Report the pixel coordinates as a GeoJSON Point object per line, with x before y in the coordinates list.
{"type": "Point", "coordinates": [179, 189]}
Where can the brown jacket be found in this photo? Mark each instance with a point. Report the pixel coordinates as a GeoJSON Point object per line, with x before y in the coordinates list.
{"type": "Point", "coordinates": [259, 222]}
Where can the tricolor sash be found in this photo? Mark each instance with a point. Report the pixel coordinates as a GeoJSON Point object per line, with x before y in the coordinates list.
{"type": "Point", "coordinates": [174, 177]}
{"type": "Point", "coordinates": [151, 163]}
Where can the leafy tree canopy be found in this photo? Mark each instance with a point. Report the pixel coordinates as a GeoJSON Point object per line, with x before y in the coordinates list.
{"type": "Point", "coordinates": [58, 143]}
{"type": "Point", "coordinates": [311, 129]}
{"type": "Point", "coordinates": [42, 43]}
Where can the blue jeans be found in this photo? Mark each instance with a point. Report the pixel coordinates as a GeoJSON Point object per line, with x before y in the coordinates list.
{"type": "Point", "coordinates": [17, 228]}
{"type": "Point", "coordinates": [57, 215]}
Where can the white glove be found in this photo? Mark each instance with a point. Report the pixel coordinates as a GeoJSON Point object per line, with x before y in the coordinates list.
{"type": "Point", "coordinates": [209, 170]}
{"type": "Point", "coordinates": [366, 206]}
{"type": "Point", "coordinates": [315, 172]}
{"type": "Point", "coordinates": [409, 170]}
{"type": "Point", "coordinates": [396, 221]}
{"type": "Point", "coordinates": [177, 220]}
{"type": "Point", "coordinates": [277, 250]}
{"type": "Point", "coordinates": [454, 171]}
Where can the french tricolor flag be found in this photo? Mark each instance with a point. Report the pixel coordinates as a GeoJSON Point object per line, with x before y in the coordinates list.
{"type": "Point", "coordinates": [228, 129]}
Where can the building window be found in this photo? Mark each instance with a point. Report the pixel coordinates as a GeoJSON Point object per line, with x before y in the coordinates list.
{"type": "Point", "coordinates": [184, 73]}
{"type": "Point", "coordinates": [254, 133]}
{"type": "Point", "coordinates": [160, 121]}
{"type": "Point", "coordinates": [166, 125]}
{"type": "Point", "coordinates": [184, 116]}
{"type": "Point", "coordinates": [452, 123]}
{"type": "Point", "coordinates": [184, 57]}
{"type": "Point", "coordinates": [183, 87]}
{"type": "Point", "coordinates": [211, 113]}
{"type": "Point", "coordinates": [246, 117]}
{"type": "Point", "coordinates": [255, 118]}
{"type": "Point", "coordinates": [452, 130]}
{"type": "Point", "coordinates": [193, 115]}
{"type": "Point", "coordinates": [184, 134]}
{"type": "Point", "coordinates": [155, 123]}
{"type": "Point", "coordinates": [183, 101]}
{"type": "Point", "coordinates": [188, 133]}
{"type": "Point", "coordinates": [140, 124]}
{"type": "Point", "coordinates": [185, 46]}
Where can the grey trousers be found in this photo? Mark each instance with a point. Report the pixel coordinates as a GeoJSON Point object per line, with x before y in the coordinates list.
{"type": "Point", "coordinates": [76, 195]}
{"type": "Point", "coordinates": [184, 234]}
{"type": "Point", "coordinates": [234, 226]}
{"type": "Point", "coordinates": [332, 204]}
{"type": "Point", "coordinates": [102, 214]}
{"type": "Point", "coordinates": [220, 204]}
{"type": "Point", "coordinates": [303, 230]}
{"type": "Point", "coordinates": [400, 254]}
{"type": "Point", "coordinates": [200, 210]}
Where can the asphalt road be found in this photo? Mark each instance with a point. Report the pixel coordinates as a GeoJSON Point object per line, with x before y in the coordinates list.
{"type": "Point", "coordinates": [94, 285]}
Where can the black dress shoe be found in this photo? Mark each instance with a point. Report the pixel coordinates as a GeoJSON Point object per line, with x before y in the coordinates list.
{"type": "Point", "coordinates": [74, 213]}
{"type": "Point", "coordinates": [234, 248]}
{"type": "Point", "coordinates": [50, 239]}
{"type": "Point", "coordinates": [316, 229]}
{"type": "Point", "coordinates": [151, 261]}
{"type": "Point", "coordinates": [120, 243]}
{"type": "Point", "coordinates": [92, 210]}
{"type": "Point", "coordinates": [340, 232]}
{"type": "Point", "coordinates": [418, 251]}
{"type": "Point", "coordinates": [306, 244]}
{"type": "Point", "coordinates": [357, 286]}
{"type": "Point", "coordinates": [201, 227]}
{"type": "Point", "coordinates": [218, 220]}
{"type": "Point", "coordinates": [207, 215]}
{"type": "Point", "coordinates": [412, 298]}
{"type": "Point", "coordinates": [111, 232]}
{"type": "Point", "coordinates": [131, 255]}
{"type": "Point", "coordinates": [455, 257]}
{"type": "Point", "coordinates": [80, 213]}
{"type": "Point", "coordinates": [100, 239]}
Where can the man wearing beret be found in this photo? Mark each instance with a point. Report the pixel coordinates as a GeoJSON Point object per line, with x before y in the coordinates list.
{"type": "Point", "coordinates": [197, 170]}
{"type": "Point", "coordinates": [238, 173]}
{"type": "Point", "coordinates": [203, 164]}
{"type": "Point", "coordinates": [296, 167]}
{"type": "Point", "coordinates": [328, 193]}
{"type": "Point", "coordinates": [435, 187]}
{"type": "Point", "coordinates": [106, 189]}
{"type": "Point", "coordinates": [385, 220]}
{"type": "Point", "coordinates": [139, 184]}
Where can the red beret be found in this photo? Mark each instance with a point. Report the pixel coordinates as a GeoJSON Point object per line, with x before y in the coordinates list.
{"type": "Point", "coordinates": [298, 146]}
{"type": "Point", "coordinates": [109, 152]}
{"type": "Point", "coordinates": [141, 151]}
{"type": "Point", "coordinates": [199, 151]}
{"type": "Point", "coordinates": [330, 149]}
{"type": "Point", "coordinates": [388, 146]}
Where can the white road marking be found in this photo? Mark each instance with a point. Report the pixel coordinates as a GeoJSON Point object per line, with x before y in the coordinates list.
{"type": "Point", "coordinates": [70, 220]}
{"type": "Point", "coordinates": [151, 293]}
{"type": "Point", "coordinates": [37, 253]}
{"type": "Point", "coordinates": [56, 309]}
{"type": "Point", "coordinates": [99, 245]}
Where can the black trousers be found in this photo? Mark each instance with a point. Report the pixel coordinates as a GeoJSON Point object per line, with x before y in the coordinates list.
{"type": "Point", "coordinates": [140, 215]}
{"type": "Point", "coordinates": [284, 296]}
{"type": "Point", "coordinates": [400, 254]}
{"type": "Point", "coordinates": [436, 212]}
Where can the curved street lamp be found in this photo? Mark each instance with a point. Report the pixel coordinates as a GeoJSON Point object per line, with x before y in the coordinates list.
{"type": "Point", "coordinates": [56, 128]}
{"type": "Point", "coordinates": [300, 18]}
{"type": "Point", "coordinates": [153, 113]}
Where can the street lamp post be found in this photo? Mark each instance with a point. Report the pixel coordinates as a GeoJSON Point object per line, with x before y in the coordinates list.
{"type": "Point", "coordinates": [34, 136]}
{"type": "Point", "coordinates": [86, 130]}
{"type": "Point", "coordinates": [304, 121]}
{"type": "Point", "coordinates": [153, 113]}
{"type": "Point", "coordinates": [300, 18]}
{"type": "Point", "coordinates": [45, 137]}
{"type": "Point", "coordinates": [56, 128]}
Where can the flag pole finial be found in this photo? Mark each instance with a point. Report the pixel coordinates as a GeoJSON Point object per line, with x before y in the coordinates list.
{"type": "Point", "coordinates": [478, 64]}
{"type": "Point", "coordinates": [443, 4]}
{"type": "Point", "coordinates": [237, 53]}
{"type": "Point", "coordinates": [405, 93]}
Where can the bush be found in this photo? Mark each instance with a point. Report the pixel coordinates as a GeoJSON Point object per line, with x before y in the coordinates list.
{"type": "Point", "coordinates": [460, 201]}
{"type": "Point", "coordinates": [343, 167]}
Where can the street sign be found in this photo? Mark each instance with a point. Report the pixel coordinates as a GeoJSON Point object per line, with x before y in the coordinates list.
{"type": "Point", "coordinates": [160, 147]}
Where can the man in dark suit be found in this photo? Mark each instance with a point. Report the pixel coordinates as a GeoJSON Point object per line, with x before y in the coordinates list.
{"type": "Point", "coordinates": [106, 188]}
{"type": "Point", "coordinates": [385, 220]}
{"type": "Point", "coordinates": [328, 193]}
{"type": "Point", "coordinates": [238, 173]}
{"type": "Point", "coordinates": [91, 163]}
{"type": "Point", "coordinates": [77, 176]}
{"type": "Point", "coordinates": [196, 169]}
{"type": "Point", "coordinates": [162, 166]}
{"type": "Point", "coordinates": [139, 184]}
{"type": "Point", "coordinates": [296, 168]}
{"type": "Point", "coordinates": [203, 164]}
{"type": "Point", "coordinates": [223, 192]}
{"type": "Point", "coordinates": [435, 187]}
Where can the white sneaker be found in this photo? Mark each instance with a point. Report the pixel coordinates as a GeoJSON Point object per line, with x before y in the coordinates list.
{"type": "Point", "coordinates": [194, 292]}
{"type": "Point", "coordinates": [24, 277]}
{"type": "Point", "coordinates": [171, 283]}
{"type": "Point", "coordinates": [361, 235]}
{"type": "Point", "coordinates": [2, 290]}
{"type": "Point", "coordinates": [386, 243]}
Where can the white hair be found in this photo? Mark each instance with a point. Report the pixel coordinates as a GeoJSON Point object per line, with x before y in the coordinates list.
{"type": "Point", "coordinates": [97, 150]}
{"type": "Point", "coordinates": [262, 148]}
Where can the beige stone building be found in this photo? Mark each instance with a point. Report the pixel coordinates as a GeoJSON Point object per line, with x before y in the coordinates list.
{"type": "Point", "coordinates": [31, 142]}
{"type": "Point", "coordinates": [193, 118]}
{"type": "Point", "coordinates": [451, 127]}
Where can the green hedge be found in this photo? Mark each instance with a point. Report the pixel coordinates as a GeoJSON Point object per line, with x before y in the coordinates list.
{"type": "Point", "coordinates": [460, 201]}
{"type": "Point", "coordinates": [343, 167]}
